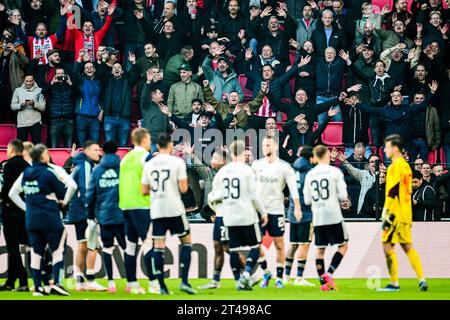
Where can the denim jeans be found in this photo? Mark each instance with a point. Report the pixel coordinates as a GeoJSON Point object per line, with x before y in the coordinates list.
{"type": "Point", "coordinates": [61, 128]}
{"type": "Point", "coordinates": [117, 129]}
{"type": "Point", "coordinates": [254, 45]}
{"type": "Point", "coordinates": [88, 128]}
{"type": "Point", "coordinates": [34, 131]}
{"type": "Point", "coordinates": [416, 148]}
{"type": "Point", "coordinates": [321, 117]}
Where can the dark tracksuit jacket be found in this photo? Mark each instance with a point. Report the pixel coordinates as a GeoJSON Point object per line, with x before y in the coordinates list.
{"type": "Point", "coordinates": [42, 214]}
{"type": "Point", "coordinates": [298, 139]}
{"type": "Point", "coordinates": [81, 175]}
{"type": "Point", "coordinates": [301, 168]}
{"type": "Point", "coordinates": [397, 119]}
{"type": "Point", "coordinates": [102, 195]}
{"type": "Point", "coordinates": [427, 204]}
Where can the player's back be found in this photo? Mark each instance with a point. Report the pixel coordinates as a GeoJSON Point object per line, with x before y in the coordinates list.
{"type": "Point", "coordinates": [324, 189]}
{"type": "Point", "coordinates": [237, 184]}
{"type": "Point", "coordinates": [163, 173]}
{"type": "Point", "coordinates": [399, 175]}
{"type": "Point", "coordinates": [271, 179]}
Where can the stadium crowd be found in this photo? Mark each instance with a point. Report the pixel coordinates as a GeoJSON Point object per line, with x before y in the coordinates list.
{"type": "Point", "coordinates": [349, 72]}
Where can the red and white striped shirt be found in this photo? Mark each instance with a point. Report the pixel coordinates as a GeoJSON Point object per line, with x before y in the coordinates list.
{"type": "Point", "coordinates": [266, 109]}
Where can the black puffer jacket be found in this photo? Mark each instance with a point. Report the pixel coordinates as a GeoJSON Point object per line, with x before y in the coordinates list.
{"type": "Point", "coordinates": [60, 100]}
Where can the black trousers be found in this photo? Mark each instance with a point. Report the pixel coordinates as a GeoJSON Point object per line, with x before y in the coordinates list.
{"type": "Point", "coordinates": [34, 131]}
{"type": "Point", "coordinates": [15, 234]}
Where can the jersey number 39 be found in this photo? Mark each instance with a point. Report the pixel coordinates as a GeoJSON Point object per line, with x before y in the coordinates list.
{"type": "Point", "coordinates": [232, 187]}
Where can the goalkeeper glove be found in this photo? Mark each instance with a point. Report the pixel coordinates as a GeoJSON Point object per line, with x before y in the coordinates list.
{"type": "Point", "coordinates": [387, 219]}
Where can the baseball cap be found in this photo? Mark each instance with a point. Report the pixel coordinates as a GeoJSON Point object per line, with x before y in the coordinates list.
{"type": "Point", "coordinates": [52, 51]}
{"type": "Point", "coordinates": [111, 50]}
{"type": "Point", "coordinates": [211, 28]}
{"type": "Point", "coordinates": [225, 58]}
{"type": "Point", "coordinates": [186, 67]}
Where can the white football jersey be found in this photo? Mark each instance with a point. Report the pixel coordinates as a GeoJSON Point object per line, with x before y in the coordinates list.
{"type": "Point", "coordinates": [234, 188]}
{"type": "Point", "coordinates": [271, 179]}
{"type": "Point", "coordinates": [162, 173]}
{"type": "Point", "coordinates": [324, 190]}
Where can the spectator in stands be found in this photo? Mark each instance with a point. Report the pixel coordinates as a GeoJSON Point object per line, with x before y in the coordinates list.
{"type": "Point", "coordinates": [425, 131]}
{"type": "Point", "coordinates": [306, 75]}
{"type": "Point", "coordinates": [169, 41]}
{"type": "Point", "coordinates": [395, 36]}
{"type": "Point", "coordinates": [29, 101]}
{"type": "Point", "coordinates": [88, 103]}
{"type": "Point", "coordinates": [418, 162]}
{"type": "Point", "coordinates": [426, 172]}
{"type": "Point", "coordinates": [194, 19]}
{"type": "Point", "coordinates": [44, 73]}
{"type": "Point", "coordinates": [355, 124]}
{"type": "Point", "coordinates": [434, 31]}
{"type": "Point", "coordinates": [13, 219]}
{"type": "Point", "coordinates": [307, 23]}
{"type": "Point", "coordinates": [424, 199]}
{"type": "Point", "coordinates": [365, 177]}
{"type": "Point", "coordinates": [340, 17]}
{"type": "Point", "coordinates": [13, 60]}
{"type": "Point", "coordinates": [154, 120]}
{"type": "Point", "coordinates": [169, 14]}
{"type": "Point", "coordinates": [229, 25]}
{"type": "Point", "coordinates": [298, 133]}
{"type": "Point", "coordinates": [398, 13]}
{"type": "Point", "coordinates": [369, 209]}
{"type": "Point", "coordinates": [441, 186]}
{"type": "Point", "coordinates": [183, 92]}
{"type": "Point", "coordinates": [365, 27]}
{"type": "Point", "coordinates": [137, 28]}
{"type": "Point", "coordinates": [98, 18]}
{"type": "Point", "coordinates": [228, 107]}
{"type": "Point", "coordinates": [358, 156]}
{"type": "Point", "coordinates": [397, 116]}
{"type": "Point", "coordinates": [60, 94]}
{"type": "Point", "coordinates": [328, 34]}
{"type": "Point", "coordinates": [329, 75]}
{"type": "Point", "coordinates": [87, 40]}
{"type": "Point", "coordinates": [118, 89]}
{"type": "Point", "coordinates": [224, 79]}
{"type": "Point", "coordinates": [172, 68]}
{"type": "Point", "coordinates": [420, 81]}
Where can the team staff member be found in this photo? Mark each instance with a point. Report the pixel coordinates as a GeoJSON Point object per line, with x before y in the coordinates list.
{"type": "Point", "coordinates": [397, 214]}
{"type": "Point", "coordinates": [13, 219]}
{"type": "Point", "coordinates": [43, 194]}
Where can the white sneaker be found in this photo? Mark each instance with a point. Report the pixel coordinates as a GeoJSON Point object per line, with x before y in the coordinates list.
{"type": "Point", "coordinates": [210, 285]}
{"type": "Point", "coordinates": [137, 290]}
{"type": "Point", "coordinates": [153, 287]}
{"type": "Point", "coordinates": [302, 282]}
{"type": "Point", "coordinates": [95, 286]}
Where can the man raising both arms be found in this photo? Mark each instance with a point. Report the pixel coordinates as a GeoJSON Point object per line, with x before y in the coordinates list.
{"type": "Point", "coordinates": [324, 189]}
{"type": "Point", "coordinates": [397, 214]}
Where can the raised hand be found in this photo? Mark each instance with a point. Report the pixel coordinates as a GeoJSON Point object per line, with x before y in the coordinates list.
{"type": "Point", "coordinates": [433, 86]}
{"type": "Point", "coordinates": [286, 140]}
{"type": "Point", "coordinates": [165, 109]}
{"type": "Point", "coordinates": [237, 109]}
{"type": "Point", "coordinates": [208, 107]}
{"type": "Point", "coordinates": [241, 34]}
{"type": "Point", "coordinates": [360, 48]}
{"type": "Point", "coordinates": [264, 86]}
{"type": "Point", "coordinates": [354, 88]}
{"type": "Point", "coordinates": [332, 112]}
{"type": "Point", "coordinates": [111, 8]}
{"type": "Point", "coordinates": [293, 43]}
{"type": "Point", "coordinates": [444, 29]}
{"type": "Point", "coordinates": [344, 55]}
{"type": "Point", "coordinates": [266, 12]}
{"type": "Point", "coordinates": [281, 12]}
{"type": "Point", "coordinates": [149, 75]}
{"type": "Point", "coordinates": [313, 4]}
{"type": "Point", "coordinates": [304, 61]}
{"type": "Point", "coordinates": [385, 10]}
{"type": "Point", "coordinates": [334, 154]}
{"type": "Point", "coordinates": [299, 117]}
{"type": "Point", "coordinates": [205, 83]}
{"type": "Point", "coordinates": [341, 156]}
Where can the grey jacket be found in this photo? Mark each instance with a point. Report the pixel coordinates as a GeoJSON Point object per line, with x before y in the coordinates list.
{"type": "Point", "coordinates": [154, 120]}
{"type": "Point", "coordinates": [365, 178]}
{"type": "Point", "coordinates": [28, 116]}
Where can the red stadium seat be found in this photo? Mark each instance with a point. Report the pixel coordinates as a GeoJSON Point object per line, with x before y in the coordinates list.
{"type": "Point", "coordinates": [432, 156]}
{"type": "Point", "coordinates": [332, 136]}
{"type": "Point", "coordinates": [59, 155]}
{"type": "Point", "coordinates": [8, 133]}
{"type": "Point", "coordinates": [121, 152]}
{"type": "Point", "coordinates": [3, 155]}
{"type": "Point", "coordinates": [248, 94]}
{"type": "Point", "coordinates": [280, 126]}
{"type": "Point", "coordinates": [442, 156]}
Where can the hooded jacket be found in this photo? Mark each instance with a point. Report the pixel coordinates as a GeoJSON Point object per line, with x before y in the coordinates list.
{"type": "Point", "coordinates": [356, 125]}
{"type": "Point", "coordinates": [28, 116]}
{"type": "Point", "coordinates": [301, 168]}
{"type": "Point", "coordinates": [102, 195]}
{"type": "Point", "coordinates": [427, 204]}
{"type": "Point", "coordinates": [222, 85]}
{"type": "Point", "coordinates": [81, 175]}
{"type": "Point", "coordinates": [42, 213]}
